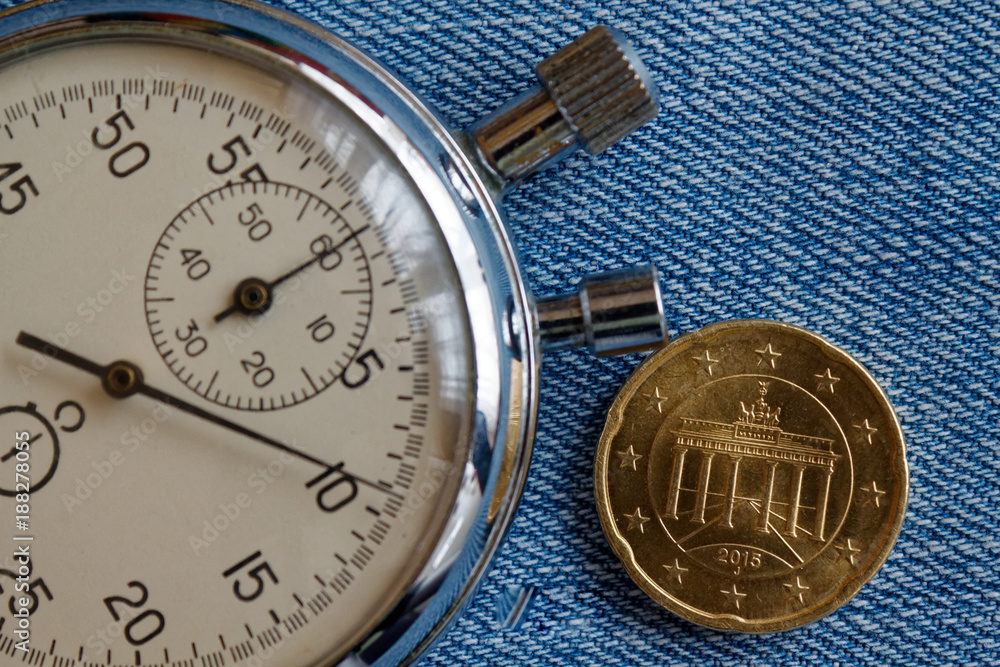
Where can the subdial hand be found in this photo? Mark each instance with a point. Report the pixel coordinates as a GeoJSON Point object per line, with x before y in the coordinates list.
{"type": "Point", "coordinates": [121, 379]}
{"type": "Point", "coordinates": [255, 295]}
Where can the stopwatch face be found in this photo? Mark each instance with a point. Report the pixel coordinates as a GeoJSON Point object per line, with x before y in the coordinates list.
{"type": "Point", "coordinates": [253, 248]}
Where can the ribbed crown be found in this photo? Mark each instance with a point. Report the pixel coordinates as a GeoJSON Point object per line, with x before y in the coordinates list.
{"type": "Point", "coordinates": [599, 92]}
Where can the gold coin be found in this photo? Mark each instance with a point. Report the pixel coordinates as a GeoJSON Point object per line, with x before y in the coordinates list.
{"type": "Point", "coordinates": [751, 476]}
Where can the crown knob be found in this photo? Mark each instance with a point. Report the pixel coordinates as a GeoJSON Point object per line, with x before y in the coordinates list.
{"type": "Point", "coordinates": [600, 87]}
{"type": "Point", "coordinates": [611, 313]}
{"type": "Point", "coordinates": [594, 91]}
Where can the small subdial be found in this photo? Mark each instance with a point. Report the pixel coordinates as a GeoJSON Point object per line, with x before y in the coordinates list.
{"type": "Point", "coordinates": [259, 294]}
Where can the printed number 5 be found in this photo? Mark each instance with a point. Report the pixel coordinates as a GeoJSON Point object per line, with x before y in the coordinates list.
{"type": "Point", "coordinates": [255, 574]}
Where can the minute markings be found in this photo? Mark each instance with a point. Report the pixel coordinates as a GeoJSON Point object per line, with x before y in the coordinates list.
{"type": "Point", "coordinates": [209, 388]}
{"type": "Point", "coordinates": [264, 373]}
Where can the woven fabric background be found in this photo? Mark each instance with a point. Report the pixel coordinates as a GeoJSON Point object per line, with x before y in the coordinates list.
{"type": "Point", "coordinates": [831, 165]}
{"type": "Point", "coordinates": [834, 165]}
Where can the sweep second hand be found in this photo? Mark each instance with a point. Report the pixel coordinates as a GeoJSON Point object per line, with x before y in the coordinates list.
{"type": "Point", "coordinates": [121, 379]}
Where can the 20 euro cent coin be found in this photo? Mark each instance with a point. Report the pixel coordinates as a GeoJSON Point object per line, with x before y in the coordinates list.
{"type": "Point", "coordinates": [751, 476]}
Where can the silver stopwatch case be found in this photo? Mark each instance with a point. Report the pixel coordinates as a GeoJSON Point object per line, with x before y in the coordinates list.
{"type": "Point", "coordinates": [590, 94]}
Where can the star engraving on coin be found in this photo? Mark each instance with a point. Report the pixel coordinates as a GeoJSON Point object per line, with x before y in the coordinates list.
{"type": "Point", "coordinates": [628, 458]}
{"type": "Point", "coordinates": [753, 475]}
{"type": "Point", "coordinates": [768, 356]}
{"type": "Point", "coordinates": [733, 596]}
{"type": "Point", "coordinates": [676, 570]}
{"type": "Point", "coordinates": [636, 520]}
{"type": "Point", "coordinates": [873, 495]}
{"type": "Point", "coordinates": [847, 551]}
{"type": "Point", "coordinates": [825, 381]}
{"type": "Point", "coordinates": [656, 400]}
{"type": "Point", "coordinates": [867, 431]}
{"type": "Point", "coordinates": [797, 590]}
{"type": "Point", "coordinates": [706, 361]}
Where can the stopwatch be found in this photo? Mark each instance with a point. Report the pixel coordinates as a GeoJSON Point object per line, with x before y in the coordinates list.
{"type": "Point", "coordinates": [269, 367]}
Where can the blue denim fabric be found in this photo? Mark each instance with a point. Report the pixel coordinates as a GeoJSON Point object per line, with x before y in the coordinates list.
{"type": "Point", "coordinates": [832, 165]}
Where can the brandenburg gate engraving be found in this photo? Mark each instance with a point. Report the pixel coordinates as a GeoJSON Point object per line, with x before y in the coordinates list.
{"type": "Point", "coordinates": [754, 435]}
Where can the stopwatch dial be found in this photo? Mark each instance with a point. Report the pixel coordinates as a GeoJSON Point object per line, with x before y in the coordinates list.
{"type": "Point", "coordinates": [246, 246]}
{"type": "Point", "coordinates": [292, 294]}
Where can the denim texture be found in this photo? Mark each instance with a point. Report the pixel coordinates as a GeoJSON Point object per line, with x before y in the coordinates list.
{"type": "Point", "coordinates": [834, 165]}
{"type": "Point", "coordinates": [831, 165]}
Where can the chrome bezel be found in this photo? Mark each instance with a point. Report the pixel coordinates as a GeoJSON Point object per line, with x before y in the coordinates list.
{"type": "Point", "coordinates": [496, 298]}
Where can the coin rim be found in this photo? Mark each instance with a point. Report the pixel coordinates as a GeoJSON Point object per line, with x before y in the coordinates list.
{"type": "Point", "coordinates": [621, 547]}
